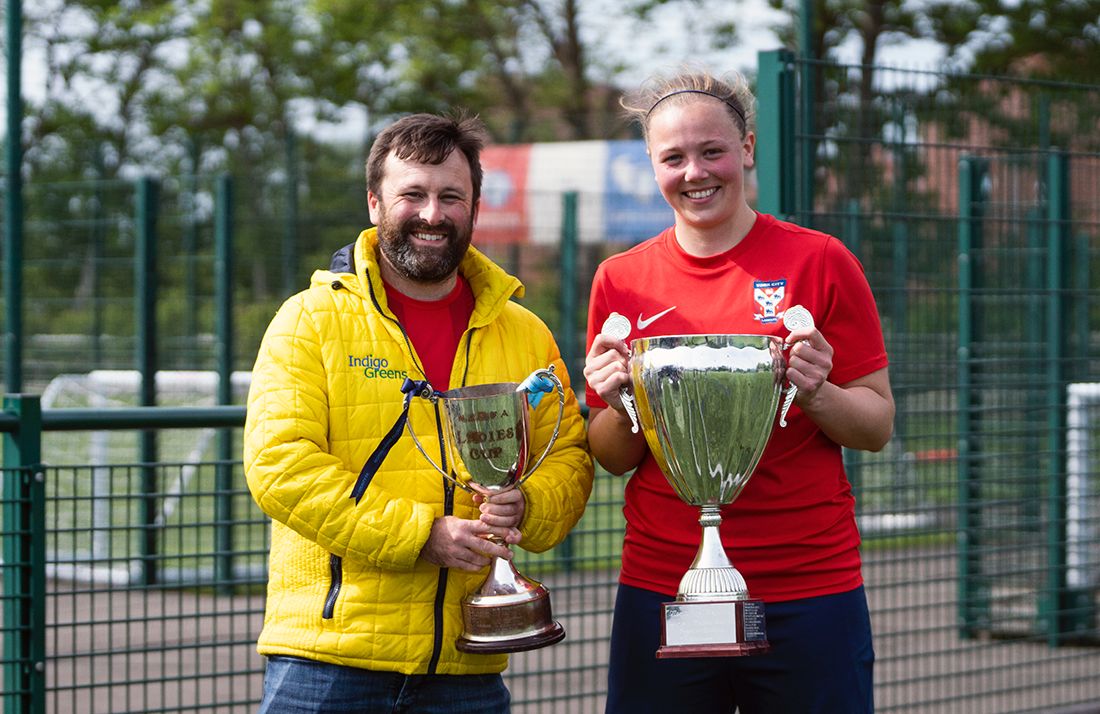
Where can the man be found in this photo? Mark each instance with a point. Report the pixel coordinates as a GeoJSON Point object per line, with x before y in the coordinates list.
{"type": "Point", "coordinates": [372, 550]}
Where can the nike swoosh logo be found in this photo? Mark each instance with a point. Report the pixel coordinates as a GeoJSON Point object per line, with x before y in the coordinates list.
{"type": "Point", "coordinates": [644, 322]}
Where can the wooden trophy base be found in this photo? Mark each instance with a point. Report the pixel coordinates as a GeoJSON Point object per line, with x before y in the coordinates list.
{"type": "Point", "coordinates": [722, 628]}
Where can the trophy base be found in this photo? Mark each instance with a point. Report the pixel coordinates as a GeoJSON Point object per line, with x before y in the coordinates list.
{"type": "Point", "coordinates": [511, 618]}
{"type": "Point", "coordinates": [553, 635]}
{"type": "Point", "coordinates": [720, 628]}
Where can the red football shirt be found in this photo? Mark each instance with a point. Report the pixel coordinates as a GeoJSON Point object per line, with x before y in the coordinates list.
{"type": "Point", "coordinates": [792, 531]}
{"type": "Point", "coordinates": [435, 328]}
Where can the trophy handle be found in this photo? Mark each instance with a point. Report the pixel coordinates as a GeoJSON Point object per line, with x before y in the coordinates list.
{"type": "Point", "coordinates": [534, 383]}
{"type": "Point", "coordinates": [427, 393]}
{"type": "Point", "coordinates": [617, 327]}
{"type": "Point", "coordinates": [796, 317]}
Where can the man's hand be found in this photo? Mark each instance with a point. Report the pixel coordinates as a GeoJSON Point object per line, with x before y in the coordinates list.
{"type": "Point", "coordinates": [503, 510]}
{"type": "Point", "coordinates": [458, 543]}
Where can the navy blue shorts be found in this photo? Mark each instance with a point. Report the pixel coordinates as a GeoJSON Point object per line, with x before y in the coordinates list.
{"type": "Point", "coordinates": [820, 662]}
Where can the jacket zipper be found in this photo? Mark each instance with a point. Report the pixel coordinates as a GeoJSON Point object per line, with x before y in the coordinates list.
{"type": "Point", "coordinates": [336, 579]}
{"type": "Point", "coordinates": [335, 562]}
{"type": "Point", "coordinates": [441, 586]}
{"type": "Point", "coordinates": [448, 509]}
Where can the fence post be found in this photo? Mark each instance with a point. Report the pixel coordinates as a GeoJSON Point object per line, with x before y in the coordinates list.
{"type": "Point", "coordinates": [853, 238]}
{"type": "Point", "coordinates": [1062, 609]}
{"type": "Point", "coordinates": [807, 146]}
{"type": "Point", "coordinates": [904, 484]}
{"type": "Point", "coordinates": [974, 594]}
{"type": "Point", "coordinates": [290, 227]}
{"type": "Point", "coordinates": [223, 470]}
{"type": "Point", "coordinates": [1079, 307]}
{"type": "Point", "coordinates": [189, 192]}
{"type": "Point", "coordinates": [24, 561]}
{"type": "Point", "coordinates": [567, 334]}
{"type": "Point", "coordinates": [13, 214]}
{"type": "Point", "coordinates": [145, 332]}
{"type": "Point", "coordinates": [1034, 338]}
{"type": "Point", "coordinates": [99, 254]}
{"type": "Point", "coordinates": [775, 157]}
{"type": "Point", "coordinates": [1052, 601]}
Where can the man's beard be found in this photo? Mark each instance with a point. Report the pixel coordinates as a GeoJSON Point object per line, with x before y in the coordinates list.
{"type": "Point", "coordinates": [424, 265]}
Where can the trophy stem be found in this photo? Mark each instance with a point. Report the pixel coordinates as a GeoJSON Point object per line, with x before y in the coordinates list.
{"type": "Point", "coordinates": [503, 579]}
{"type": "Point", "coordinates": [508, 613]}
{"type": "Point", "coordinates": [713, 615]}
{"type": "Point", "coordinates": [712, 576]}
{"type": "Point", "coordinates": [711, 553]}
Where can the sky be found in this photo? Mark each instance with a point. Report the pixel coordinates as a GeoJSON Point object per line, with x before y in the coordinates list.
{"type": "Point", "coordinates": [672, 45]}
{"type": "Point", "coordinates": [649, 49]}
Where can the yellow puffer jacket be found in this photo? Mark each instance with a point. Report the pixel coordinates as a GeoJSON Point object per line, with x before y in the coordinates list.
{"type": "Point", "coordinates": [346, 584]}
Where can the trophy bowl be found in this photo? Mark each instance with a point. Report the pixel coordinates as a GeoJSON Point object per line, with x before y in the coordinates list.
{"type": "Point", "coordinates": [485, 432]}
{"type": "Point", "coordinates": [707, 405]}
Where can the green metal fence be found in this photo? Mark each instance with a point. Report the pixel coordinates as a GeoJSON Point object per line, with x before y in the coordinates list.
{"type": "Point", "coordinates": [972, 202]}
{"type": "Point", "coordinates": [133, 560]}
{"type": "Point", "coordinates": [129, 586]}
{"type": "Point", "coordinates": [134, 586]}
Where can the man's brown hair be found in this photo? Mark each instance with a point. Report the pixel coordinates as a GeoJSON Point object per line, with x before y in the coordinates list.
{"type": "Point", "coordinates": [428, 139]}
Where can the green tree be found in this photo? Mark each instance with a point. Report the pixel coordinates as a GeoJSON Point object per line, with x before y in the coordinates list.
{"type": "Point", "coordinates": [187, 88]}
{"type": "Point", "coordinates": [1045, 39]}
{"type": "Point", "coordinates": [103, 60]}
{"type": "Point", "coordinates": [1041, 40]}
{"type": "Point", "coordinates": [524, 65]}
{"type": "Point", "coordinates": [872, 25]}
{"type": "Point", "coordinates": [502, 58]}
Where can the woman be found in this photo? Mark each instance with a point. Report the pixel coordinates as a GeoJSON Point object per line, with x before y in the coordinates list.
{"type": "Point", "coordinates": [724, 268]}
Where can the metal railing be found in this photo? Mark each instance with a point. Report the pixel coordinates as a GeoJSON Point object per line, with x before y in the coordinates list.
{"type": "Point", "coordinates": [134, 586]}
{"type": "Point", "coordinates": [139, 587]}
{"type": "Point", "coordinates": [970, 202]}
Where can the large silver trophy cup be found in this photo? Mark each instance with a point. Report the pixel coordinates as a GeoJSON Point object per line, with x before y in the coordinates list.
{"type": "Point", "coordinates": [707, 405]}
{"type": "Point", "coordinates": [486, 433]}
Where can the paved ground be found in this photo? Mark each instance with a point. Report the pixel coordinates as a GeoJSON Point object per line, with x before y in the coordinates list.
{"type": "Point", "coordinates": [184, 651]}
{"type": "Point", "coordinates": [922, 665]}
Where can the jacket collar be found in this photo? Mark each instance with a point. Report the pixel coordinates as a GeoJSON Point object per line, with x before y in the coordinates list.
{"type": "Point", "coordinates": [356, 267]}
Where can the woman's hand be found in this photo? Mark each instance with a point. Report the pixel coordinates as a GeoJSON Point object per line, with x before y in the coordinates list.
{"type": "Point", "coordinates": [809, 363]}
{"type": "Point", "coordinates": [858, 414]}
{"type": "Point", "coordinates": [610, 430]}
{"type": "Point", "coordinates": [607, 369]}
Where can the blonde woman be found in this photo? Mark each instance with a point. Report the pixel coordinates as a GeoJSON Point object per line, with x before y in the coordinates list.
{"type": "Point", "coordinates": [725, 268]}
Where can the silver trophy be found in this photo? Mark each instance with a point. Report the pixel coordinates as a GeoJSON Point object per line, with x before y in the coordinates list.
{"type": "Point", "coordinates": [486, 434]}
{"type": "Point", "coordinates": [707, 406]}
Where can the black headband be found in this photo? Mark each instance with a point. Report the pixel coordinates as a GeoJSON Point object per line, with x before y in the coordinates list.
{"type": "Point", "coordinates": [737, 110]}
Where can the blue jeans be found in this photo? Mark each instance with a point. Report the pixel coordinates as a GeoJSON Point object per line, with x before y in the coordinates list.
{"type": "Point", "coordinates": [293, 685]}
{"type": "Point", "coordinates": [820, 662]}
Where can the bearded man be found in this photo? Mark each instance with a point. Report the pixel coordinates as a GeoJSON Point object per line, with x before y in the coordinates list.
{"type": "Point", "coordinates": [371, 557]}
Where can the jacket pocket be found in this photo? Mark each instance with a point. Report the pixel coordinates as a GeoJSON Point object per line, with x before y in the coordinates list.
{"type": "Point", "coordinates": [336, 579]}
